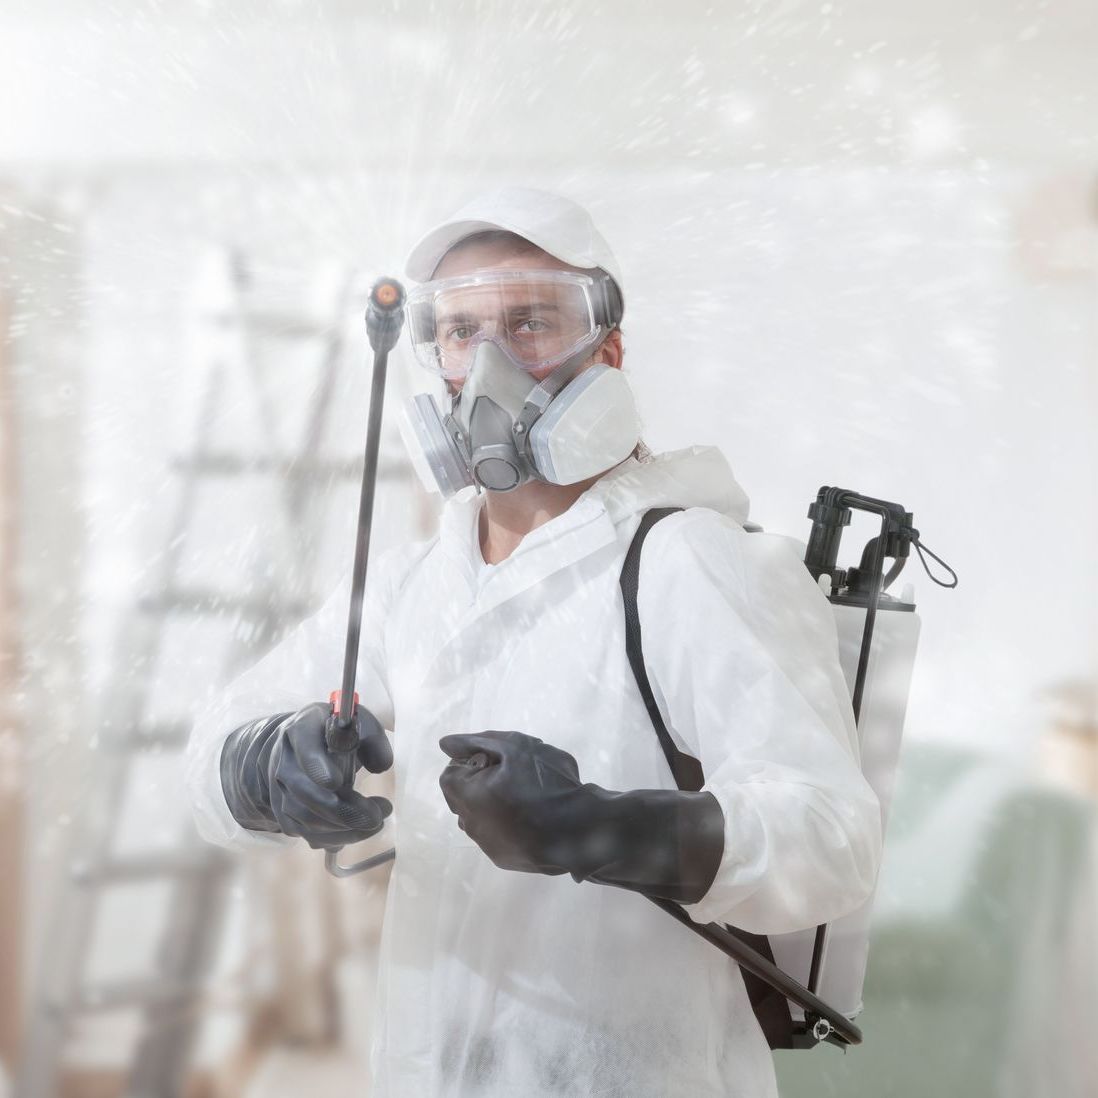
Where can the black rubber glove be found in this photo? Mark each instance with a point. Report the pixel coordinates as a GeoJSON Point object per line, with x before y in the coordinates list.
{"type": "Point", "coordinates": [521, 800]}
{"type": "Point", "coordinates": [278, 775]}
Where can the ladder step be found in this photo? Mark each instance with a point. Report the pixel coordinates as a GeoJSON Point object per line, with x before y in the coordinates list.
{"type": "Point", "coordinates": [120, 994]}
{"type": "Point", "coordinates": [138, 867]}
{"type": "Point", "coordinates": [225, 463]}
{"type": "Point", "coordinates": [164, 737]}
{"type": "Point", "coordinates": [200, 600]}
{"type": "Point", "coordinates": [218, 463]}
{"type": "Point", "coordinates": [272, 322]}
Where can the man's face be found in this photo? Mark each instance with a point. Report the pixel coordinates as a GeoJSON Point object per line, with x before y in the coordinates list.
{"type": "Point", "coordinates": [537, 323]}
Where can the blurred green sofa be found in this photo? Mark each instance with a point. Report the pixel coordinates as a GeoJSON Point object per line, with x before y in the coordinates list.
{"type": "Point", "coordinates": [982, 876]}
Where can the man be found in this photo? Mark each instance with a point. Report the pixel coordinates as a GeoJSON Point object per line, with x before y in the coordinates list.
{"type": "Point", "coordinates": [532, 797]}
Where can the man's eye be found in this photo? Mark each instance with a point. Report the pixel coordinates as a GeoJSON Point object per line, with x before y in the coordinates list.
{"type": "Point", "coordinates": [533, 326]}
{"type": "Point", "coordinates": [462, 331]}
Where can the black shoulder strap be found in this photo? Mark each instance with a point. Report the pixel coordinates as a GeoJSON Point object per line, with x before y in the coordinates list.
{"type": "Point", "coordinates": [769, 1005]}
{"type": "Point", "coordinates": [685, 768]}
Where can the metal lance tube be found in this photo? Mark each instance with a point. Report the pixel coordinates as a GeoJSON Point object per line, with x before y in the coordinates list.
{"type": "Point", "coordinates": [384, 320]}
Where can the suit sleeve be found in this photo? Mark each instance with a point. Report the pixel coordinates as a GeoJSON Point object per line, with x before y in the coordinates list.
{"type": "Point", "coordinates": [742, 651]}
{"type": "Point", "coordinates": [306, 666]}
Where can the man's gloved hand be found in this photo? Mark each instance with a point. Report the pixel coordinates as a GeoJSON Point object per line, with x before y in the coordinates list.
{"type": "Point", "coordinates": [521, 800]}
{"type": "Point", "coordinates": [278, 775]}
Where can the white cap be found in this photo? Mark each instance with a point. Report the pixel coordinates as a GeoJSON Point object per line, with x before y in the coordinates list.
{"type": "Point", "coordinates": [557, 225]}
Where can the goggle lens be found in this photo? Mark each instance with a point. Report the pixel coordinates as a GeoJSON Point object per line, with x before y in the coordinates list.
{"type": "Point", "coordinates": [537, 321]}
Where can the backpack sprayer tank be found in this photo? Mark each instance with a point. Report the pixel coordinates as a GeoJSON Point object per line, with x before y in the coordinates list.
{"type": "Point", "coordinates": [878, 634]}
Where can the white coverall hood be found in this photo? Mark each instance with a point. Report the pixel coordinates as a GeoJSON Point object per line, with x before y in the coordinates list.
{"type": "Point", "coordinates": [499, 983]}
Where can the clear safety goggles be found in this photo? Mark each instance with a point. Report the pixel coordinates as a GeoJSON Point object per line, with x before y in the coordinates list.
{"type": "Point", "coordinates": [538, 318]}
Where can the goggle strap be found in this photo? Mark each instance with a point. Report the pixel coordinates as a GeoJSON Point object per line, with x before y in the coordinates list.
{"type": "Point", "coordinates": [608, 305]}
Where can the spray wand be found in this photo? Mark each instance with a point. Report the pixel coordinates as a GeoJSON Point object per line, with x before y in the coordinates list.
{"type": "Point", "coordinates": [384, 319]}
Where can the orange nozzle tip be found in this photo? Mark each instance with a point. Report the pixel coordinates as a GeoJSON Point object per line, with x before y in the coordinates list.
{"type": "Point", "coordinates": [387, 294]}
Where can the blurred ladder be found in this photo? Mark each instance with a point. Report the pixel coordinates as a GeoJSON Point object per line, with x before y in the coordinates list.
{"type": "Point", "coordinates": [169, 1000]}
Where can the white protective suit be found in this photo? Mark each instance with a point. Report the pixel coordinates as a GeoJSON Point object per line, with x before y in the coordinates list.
{"type": "Point", "coordinates": [505, 984]}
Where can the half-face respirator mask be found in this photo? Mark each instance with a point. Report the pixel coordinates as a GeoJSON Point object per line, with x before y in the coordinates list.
{"type": "Point", "coordinates": [510, 345]}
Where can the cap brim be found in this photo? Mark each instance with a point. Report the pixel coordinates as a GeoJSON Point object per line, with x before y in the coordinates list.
{"type": "Point", "coordinates": [425, 257]}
